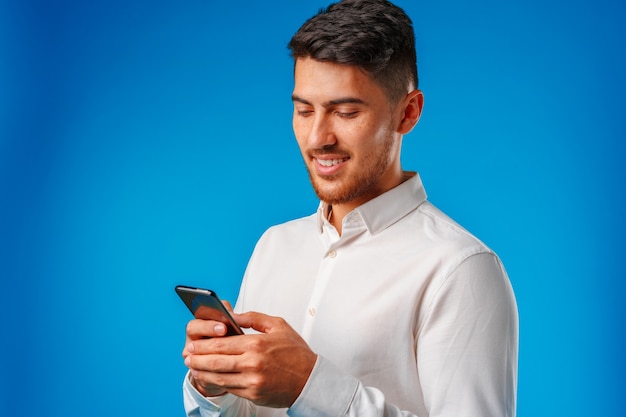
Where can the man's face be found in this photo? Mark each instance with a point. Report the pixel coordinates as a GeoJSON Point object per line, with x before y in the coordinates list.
{"type": "Point", "coordinates": [346, 130]}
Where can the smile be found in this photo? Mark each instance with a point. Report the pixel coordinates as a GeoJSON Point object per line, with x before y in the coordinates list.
{"type": "Point", "coordinates": [330, 162]}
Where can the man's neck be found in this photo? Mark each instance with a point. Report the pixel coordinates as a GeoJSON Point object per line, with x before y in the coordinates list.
{"type": "Point", "coordinates": [335, 213]}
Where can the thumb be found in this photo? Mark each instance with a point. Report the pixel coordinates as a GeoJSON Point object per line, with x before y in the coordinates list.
{"type": "Point", "coordinates": [260, 322]}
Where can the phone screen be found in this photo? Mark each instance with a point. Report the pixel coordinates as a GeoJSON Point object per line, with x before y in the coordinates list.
{"type": "Point", "coordinates": [205, 304]}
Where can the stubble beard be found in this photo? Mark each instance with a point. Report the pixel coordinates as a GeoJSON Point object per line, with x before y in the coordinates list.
{"type": "Point", "coordinates": [335, 190]}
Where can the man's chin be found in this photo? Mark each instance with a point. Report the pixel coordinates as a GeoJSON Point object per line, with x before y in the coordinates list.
{"type": "Point", "coordinates": [332, 194]}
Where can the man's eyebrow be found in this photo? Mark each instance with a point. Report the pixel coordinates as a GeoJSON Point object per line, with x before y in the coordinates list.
{"type": "Point", "coordinates": [344, 100]}
{"type": "Point", "coordinates": [295, 98]}
{"type": "Point", "coordinates": [335, 102]}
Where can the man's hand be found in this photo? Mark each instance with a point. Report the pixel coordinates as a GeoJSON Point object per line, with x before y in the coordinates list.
{"type": "Point", "coordinates": [198, 330]}
{"type": "Point", "coordinates": [270, 368]}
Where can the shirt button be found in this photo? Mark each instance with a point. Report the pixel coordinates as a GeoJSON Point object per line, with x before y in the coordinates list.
{"type": "Point", "coordinates": [312, 311]}
{"type": "Point", "coordinates": [332, 253]}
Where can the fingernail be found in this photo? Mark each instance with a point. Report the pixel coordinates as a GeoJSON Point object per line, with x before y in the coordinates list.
{"type": "Point", "coordinates": [190, 348]}
{"type": "Point", "coordinates": [188, 361]}
{"type": "Point", "coordinates": [219, 328]}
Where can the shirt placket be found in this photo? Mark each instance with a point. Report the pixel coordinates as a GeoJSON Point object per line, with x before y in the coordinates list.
{"type": "Point", "coordinates": [334, 245]}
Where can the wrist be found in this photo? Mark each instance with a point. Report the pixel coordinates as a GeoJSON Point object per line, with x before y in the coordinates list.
{"type": "Point", "coordinates": [205, 391]}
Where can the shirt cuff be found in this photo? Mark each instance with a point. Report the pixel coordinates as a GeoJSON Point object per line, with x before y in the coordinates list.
{"type": "Point", "coordinates": [197, 404]}
{"type": "Point", "coordinates": [328, 392]}
{"type": "Point", "coordinates": [194, 400]}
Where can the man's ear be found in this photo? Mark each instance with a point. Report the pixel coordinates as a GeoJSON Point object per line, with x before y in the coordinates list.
{"type": "Point", "coordinates": [412, 110]}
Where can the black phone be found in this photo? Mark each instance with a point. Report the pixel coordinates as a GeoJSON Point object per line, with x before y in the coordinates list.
{"type": "Point", "coordinates": [205, 304]}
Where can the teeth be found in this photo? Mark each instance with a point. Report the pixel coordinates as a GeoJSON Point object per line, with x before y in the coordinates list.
{"type": "Point", "coordinates": [330, 162]}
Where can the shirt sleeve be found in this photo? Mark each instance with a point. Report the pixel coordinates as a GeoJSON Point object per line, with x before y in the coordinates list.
{"type": "Point", "coordinates": [466, 353]}
{"type": "Point", "coordinates": [467, 345]}
{"type": "Point", "coordinates": [329, 392]}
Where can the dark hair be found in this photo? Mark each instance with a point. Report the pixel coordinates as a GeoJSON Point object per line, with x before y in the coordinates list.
{"type": "Point", "coordinates": [374, 35]}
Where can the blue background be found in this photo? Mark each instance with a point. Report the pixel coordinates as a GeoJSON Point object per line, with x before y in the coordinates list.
{"type": "Point", "coordinates": [146, 144]}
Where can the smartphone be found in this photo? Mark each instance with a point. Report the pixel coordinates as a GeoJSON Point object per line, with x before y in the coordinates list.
{"type": "Point", "coordinates": [206, 305]}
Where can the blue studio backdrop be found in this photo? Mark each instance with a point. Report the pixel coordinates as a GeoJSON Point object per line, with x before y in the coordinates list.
{"type": "Point", "coordinates": [148, 144]}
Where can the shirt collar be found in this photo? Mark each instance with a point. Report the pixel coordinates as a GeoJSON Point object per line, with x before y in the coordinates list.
{"type": "Point", "coordinates": [386, 209]}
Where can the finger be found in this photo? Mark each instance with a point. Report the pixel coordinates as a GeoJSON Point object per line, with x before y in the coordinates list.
{"type": "Point", "coordinates": [228, 306]}
{"type": "Point", "coordinates": [260, 322]}
{"type": "Point", "coordinates": [225, 381]}
{"type": "Point", "coordinates": [202, 329]}
{"type": "Point", "coordinates": [232, 345]}
{"type": "Point", "coordinates": [212, 363]}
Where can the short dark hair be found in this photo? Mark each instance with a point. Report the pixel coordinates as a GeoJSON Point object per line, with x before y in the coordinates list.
{"type": "Point", "coordinates": [374, 35]}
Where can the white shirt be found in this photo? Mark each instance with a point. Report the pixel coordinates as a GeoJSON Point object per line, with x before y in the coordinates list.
{"type": "Point", "coordinates": [409, 314]}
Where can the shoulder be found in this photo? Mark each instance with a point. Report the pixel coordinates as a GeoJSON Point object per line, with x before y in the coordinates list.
{"type": "Point", "coordinates": [469, 273]}
{"type": "Point", "coordinates": [437, 222]}
{"type": "Point", "coordinates": [469, 260]}
{"type": "Point", "coordinates": [434, 230]}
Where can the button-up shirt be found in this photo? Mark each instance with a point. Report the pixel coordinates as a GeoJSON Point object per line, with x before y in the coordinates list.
{"type": "Point", "coordinates": [408, 312]}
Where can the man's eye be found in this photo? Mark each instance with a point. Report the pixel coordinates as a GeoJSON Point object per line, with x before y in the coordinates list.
{"type": "Point", "coordinates": [347, 115]}
{"type": "Point", "coordinates": [304, 113]}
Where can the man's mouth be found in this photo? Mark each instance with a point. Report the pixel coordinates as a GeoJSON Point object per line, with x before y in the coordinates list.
{"type": "Point", "coordinates": [331, 162]}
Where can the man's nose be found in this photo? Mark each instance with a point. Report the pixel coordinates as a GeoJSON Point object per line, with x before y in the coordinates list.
{"type": "Point", "coordinates": [321, 134]}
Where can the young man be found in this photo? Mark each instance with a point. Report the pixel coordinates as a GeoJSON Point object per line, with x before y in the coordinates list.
{"type": "Point", "coordinates": [378, 304]}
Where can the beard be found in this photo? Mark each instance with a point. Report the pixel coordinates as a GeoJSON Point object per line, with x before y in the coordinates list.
{"type": "Point", "coordinates": [361, 182]}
